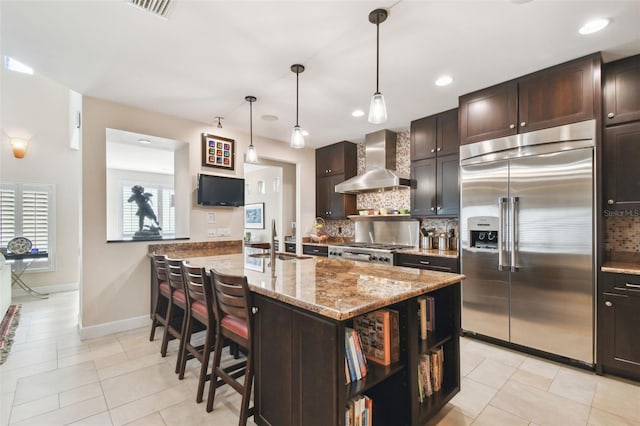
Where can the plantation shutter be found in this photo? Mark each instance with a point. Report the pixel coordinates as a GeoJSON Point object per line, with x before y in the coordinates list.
{"type": "Point", "coordinates": [7, 215]}
{"type": "Point", "coordinates": [168, 212]}
{"type": "Point", "coordinates": [35, 218]}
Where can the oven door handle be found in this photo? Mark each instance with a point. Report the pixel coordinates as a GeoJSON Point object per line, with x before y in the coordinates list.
{"type": "Point", "coordinates": [356, 256]}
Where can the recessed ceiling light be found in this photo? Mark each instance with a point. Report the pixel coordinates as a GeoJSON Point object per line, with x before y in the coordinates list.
{"type": "Point", "coordinates": [269, 117]}
{"type": "Point", "coordinates": [444, 80]}
{"type": "Point", "coordinates": [357, 113]}
{"type": "Point", "coordinates": [305, 133]}
{"type": "Point", "coordinates": [144, 141]}
{"type": "Point", "coordinates": [17, 66]}
{"type": "Point", "coordinates": [593, 26]}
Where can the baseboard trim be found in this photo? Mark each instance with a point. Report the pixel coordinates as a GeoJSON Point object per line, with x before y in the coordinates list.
{"type": "Point", "coordinates": [105, 329]}
{"type": "Point", "coordinates": [17, 291]}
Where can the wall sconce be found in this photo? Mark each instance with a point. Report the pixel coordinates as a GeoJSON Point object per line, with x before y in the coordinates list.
{"type": "Point", "coordinates": [19, 146]}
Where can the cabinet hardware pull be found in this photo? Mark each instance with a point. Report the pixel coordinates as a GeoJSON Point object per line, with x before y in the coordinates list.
{"type": "Point", "coordinates": [316, 251]}
{"type": "Point", "coordinates": [524, 123]}
{"type": "Point", "coordinates": [607, 303]}
{"type": "Point", "coordinates": [610, 202]}
{"type": "Point", "coordinates": [433, 150]}
{"type": "Point", "coordinates": [424, 262]}
{"type": "Point", "coordinates": [611, 115]}
{"type": "Point", "coordinates": [512, 126]}
{"type": "Point", "coordinates": [432, 208]}
{"type": "Point", "coordinates": [438, 149]}
{"type": "Point", "coordinates": [439, 207]}
{"type": "Point", "coordinates": [632, 285]}
{"type": "Point", "coordinates": [254, 309]}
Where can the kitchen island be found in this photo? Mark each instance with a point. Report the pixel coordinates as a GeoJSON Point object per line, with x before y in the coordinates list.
{"type": "Point", "coordinates": [302, 307]}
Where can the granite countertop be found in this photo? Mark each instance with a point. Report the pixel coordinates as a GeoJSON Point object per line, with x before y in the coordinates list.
{"type": "Point", "coordinates": [431, 252]}
{"type": "Point", "coordinates": [335, 288]}
{"type": "Point", "coordinates": [621, 267]}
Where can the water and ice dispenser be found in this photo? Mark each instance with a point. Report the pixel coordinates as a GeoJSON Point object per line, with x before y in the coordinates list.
{"type": "Point", "coordinates": [483, 232]}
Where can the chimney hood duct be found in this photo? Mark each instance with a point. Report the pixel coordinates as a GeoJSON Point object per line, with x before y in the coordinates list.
{"type": "Point", "coordinates": [380, 162]}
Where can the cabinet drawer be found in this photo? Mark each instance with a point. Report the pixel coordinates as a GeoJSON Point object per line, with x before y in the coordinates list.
{"type": "Point", "coordinates": [620, 284]}
{"type": "Point", "coordinates": [433, 263]}
{"type": "Point", "coordinates": [314, 250]}
{"type": "Point", "coordinates": [290, 247]}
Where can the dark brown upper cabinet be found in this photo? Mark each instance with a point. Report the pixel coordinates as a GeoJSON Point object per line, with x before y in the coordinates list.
{"type": "Point", "coordinates": [622, 91]}
{"type": "Point", "coordinates": [621, 172]}
{"type": "Point", "coordinates": [566, 93]}
{"type": "Point", "coordinates": [435, 135]}
{"type": "Point", "coordinates": [335, 164]}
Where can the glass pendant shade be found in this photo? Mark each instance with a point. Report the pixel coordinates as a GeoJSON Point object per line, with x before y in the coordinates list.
{"type": "Point", "coordinates": [252, 155]}
{"type": "Point", "coordinates": [377, 109]}
{"type": "Point", "coordinates": [297, 140]}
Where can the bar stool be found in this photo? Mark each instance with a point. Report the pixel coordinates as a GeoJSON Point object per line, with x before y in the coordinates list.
{"type": "Point", "coordinates": [162, 295]}
{"type": "Point", "coordinates": [234, 322]}
{"type": "Point", "coordinates": [199, 310]}
{"type": "Point", "coordinates": [177, 300]}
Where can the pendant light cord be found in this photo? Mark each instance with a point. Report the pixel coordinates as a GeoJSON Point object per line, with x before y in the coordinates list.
{"type": "Point", "coordinates": [251, 123]}
{"type": "Point", "coordinates": [377, 54]}
{"type": "Point", "coordinates": [297, 77]}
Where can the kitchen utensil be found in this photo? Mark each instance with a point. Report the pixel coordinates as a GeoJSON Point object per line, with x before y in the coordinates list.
{"type": "Point", "coordinates": [443, 241]}
{"type": "Point", "coordinates": [318, 235]}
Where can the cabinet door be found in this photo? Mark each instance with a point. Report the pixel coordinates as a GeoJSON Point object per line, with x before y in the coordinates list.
{"type": "Point", "coordinates": [488, 114]}
{"type": "Point", "coordinates": [556, 96]}
{"type": "Point", "coordinates": [621, 171]}
{"type": "Point", "coordinates": [423, 187]}
{"type": "Point", "coordinates": [448, 141]}
{"type": "Point", "coordinates": [323, 196]}
{"type": "Point", "coordinates": [315, 366]}
{"type": "Point", "coordinates": [619, 340]}
{"type": "Point", "coordinates": [448, 188]}
{"type": "Point", "coordinates": [331, 204]}
{"type": "Point", "coordinates": [273, 378]}
{"type": "Point", "coordinates": [622, 91]}
{"type": "Point", "coordinates": [423, 138]}
{"type": "Point", "coordinates": [330, 160]}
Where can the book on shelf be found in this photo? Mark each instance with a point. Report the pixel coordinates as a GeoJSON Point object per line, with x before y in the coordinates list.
{"type": "Point", "coordinates": [353, 353]}
{"type": "Point", "coordinates": [426, 314]}
{"type": "Point", "coordinates": [359, 412]}
{"type": "Point", "coordinates": [348, 354]}
{"type": "Point", "coordinates": [430, 373]}
{"type": "Point", "coordinates": [361, 358]}
{"type": "Point", "coordinates": [379, 333]}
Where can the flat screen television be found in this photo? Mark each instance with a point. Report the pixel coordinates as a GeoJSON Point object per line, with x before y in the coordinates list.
{"type": "Point", "coordinates": [220, 191]}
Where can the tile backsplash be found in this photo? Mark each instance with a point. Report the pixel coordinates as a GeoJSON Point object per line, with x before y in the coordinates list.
{"type": "Point", "coordinates": [621, 234]}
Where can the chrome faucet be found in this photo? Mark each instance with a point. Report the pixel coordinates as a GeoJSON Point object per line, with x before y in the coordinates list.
{"type": "Point", "coordinates": [273, 243]}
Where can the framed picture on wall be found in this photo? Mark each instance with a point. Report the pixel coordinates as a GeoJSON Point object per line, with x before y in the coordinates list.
{"type": "Point", "coordinates": [254, 216]}
{"type": "Point", "coordinates": [218, 152]}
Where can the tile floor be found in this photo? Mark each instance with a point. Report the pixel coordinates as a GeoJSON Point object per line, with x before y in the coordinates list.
{"type": "Point", "coordinates": [53, 378]}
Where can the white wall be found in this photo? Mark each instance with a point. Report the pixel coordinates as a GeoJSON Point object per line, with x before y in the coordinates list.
{"type": "Point", "coordinates": [273, 201]}
{"type": "Point", "coordinates": [39, 109]}
{"type": "Point", "coordinates": [115, 276]}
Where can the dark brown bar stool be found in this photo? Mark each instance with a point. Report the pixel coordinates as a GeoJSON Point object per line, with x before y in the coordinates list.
{"type": "Point", "coordinates": [163, 295]}
{"type": "Point", "coordinates": [234, 322]}
{"type": "Point", "coordinates": [177, 310]}
{"type": "Point", "coordinates": [199, 310]}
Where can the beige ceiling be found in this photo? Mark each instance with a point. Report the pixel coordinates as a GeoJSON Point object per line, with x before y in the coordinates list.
{"type": "Point", "coordinates": [208, 55]}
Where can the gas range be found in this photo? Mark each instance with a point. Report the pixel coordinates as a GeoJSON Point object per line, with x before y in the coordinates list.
{"type": "Point", "coordinates": [366, 252]}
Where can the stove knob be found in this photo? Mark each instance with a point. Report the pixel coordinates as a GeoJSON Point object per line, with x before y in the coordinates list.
{"type": "Point", "coordinates": [386, 259]}
{"type": "Point", "coordinates": [374, 258]}
{"type": "Point", "coordinates": [340, 253]}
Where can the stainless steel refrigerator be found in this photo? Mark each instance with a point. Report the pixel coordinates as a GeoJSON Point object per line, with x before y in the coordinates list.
{"type": "Point", "coordinates": [527, 239]}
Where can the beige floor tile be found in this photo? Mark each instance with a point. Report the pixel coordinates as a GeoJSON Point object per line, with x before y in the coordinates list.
{"type": "Point", "coordinates": [128, 366]}
{"type": "Point", "coordinates": [34, 408]}
{"type": "Point", "coordinates": [109, 361]}
{"type": "Point", "coordinates": [496, 353]}
{"type": "Point", "coordinates": [469, 360]}
{"type": "Point", "coordinates": [63, 379]}
{"type": "Point", "coordinates": [537, 373]}
{"type": "Point", "coordinates": [100, 352]}
{"type": "Point", "coordinates": [538, 406]}
{"type": "Point", "coordinates": [618, 397]}
{"type": "Point", "coordinates": [9, 379]}
{"type": "Point", "coordinates": [20, 359]}
{"type": "Point", "coordinates": [188, 412]}
{"type": "Point", "coordinates": [473, 397]}
{"type": "Point", "coordinates": [6, 403]}
{"type": "Point", "coordinates": [492, 416]}
{"type": "Point", "coordinates": [100, 419]}
{"type": "Point", "coordinates": [577, 385]}
{"type": "Point", "coordinates": [129, 387]}
{"type": "Point", "coordinates": [68, 414]}
{"type": "Point", "coordinates": [603, 418]}
{"type": "Point", "coordinates": [492, 373]}
{"type": "Point", "coordinates": [154, 419]}
{"type": "Point", "coordinates": [81, 393]}
{"type": "Point", "coordinates": [450, 416]}
{"type": "Point", "coordinates": [137, 409]}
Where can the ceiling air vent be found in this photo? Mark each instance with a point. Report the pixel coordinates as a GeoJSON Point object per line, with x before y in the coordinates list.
{"type": "Point", "coordinates": [157, 7]}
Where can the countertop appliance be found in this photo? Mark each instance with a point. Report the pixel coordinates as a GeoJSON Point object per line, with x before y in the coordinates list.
{"type": "Point", "coordinates": [366, 252]}
{"type": "Point", "coordinates": [527, 239]}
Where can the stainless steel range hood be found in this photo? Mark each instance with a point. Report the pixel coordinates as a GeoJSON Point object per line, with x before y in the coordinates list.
{"type": "Point", "coordinates": [380, 162]}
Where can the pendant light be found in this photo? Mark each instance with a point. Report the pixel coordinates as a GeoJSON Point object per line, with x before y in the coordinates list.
{"type": "Point", "coordinates": [219, 123]}
{"type": "Point", "coordinates": [377, 109]}
{"type": "Point", "coordinates": [297, 139]}
{"type": "Point", "coordinates": [252, 155]}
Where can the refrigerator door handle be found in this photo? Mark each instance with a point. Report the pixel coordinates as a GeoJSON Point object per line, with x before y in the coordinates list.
{"type": "Point", "coordinates": [514, 232]}
{"type": "Point", "coordinates": [502, 201]}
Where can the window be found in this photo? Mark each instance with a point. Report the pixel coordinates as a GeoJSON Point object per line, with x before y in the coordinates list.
{"type": "Point", "coordinates": [27, 210]}
{"type": "Point", "coordinates": [162, 202]}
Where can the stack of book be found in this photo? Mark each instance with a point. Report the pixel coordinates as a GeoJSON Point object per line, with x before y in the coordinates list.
{"type": "Point", "coordinates": [359, 412]}
{"type": "Point", "coordinates": [355, 363]}
{"type": "Point", "coordinates": [427, 315]}
{"type": "Point", "coordinates": [380, 334]}
{"type": "Point", "coordinates": [430, 373]}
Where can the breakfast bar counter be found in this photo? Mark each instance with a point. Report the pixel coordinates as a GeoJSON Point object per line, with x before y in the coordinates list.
{"type": "Point", "coordinates": [303, 309]}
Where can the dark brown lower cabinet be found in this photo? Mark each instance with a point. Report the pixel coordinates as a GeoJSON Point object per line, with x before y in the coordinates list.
{"type": "Point", "coordinates": [619, 325]}
{"type": "Point", "coordinates": [300, 365]}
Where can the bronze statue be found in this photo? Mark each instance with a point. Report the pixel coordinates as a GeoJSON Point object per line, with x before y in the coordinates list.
{"type": "Point", "coordinates": [143, 200]}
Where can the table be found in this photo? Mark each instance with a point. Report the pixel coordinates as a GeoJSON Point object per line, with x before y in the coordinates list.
{"type": "Point", "coordinates": [22, 262]}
